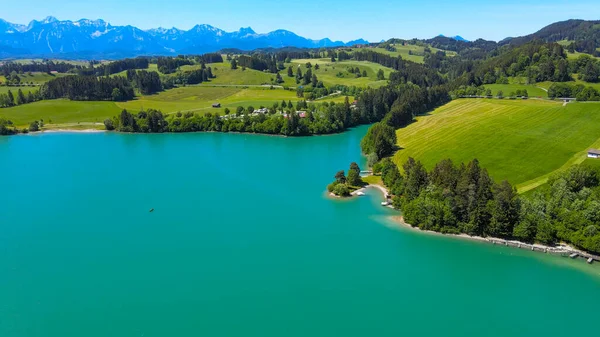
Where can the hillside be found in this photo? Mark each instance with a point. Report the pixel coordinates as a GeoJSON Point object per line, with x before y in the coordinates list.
{"type": "Point", "coordinates": [586, 34]}
{"type": "Point", "coordinates": [520, 141]}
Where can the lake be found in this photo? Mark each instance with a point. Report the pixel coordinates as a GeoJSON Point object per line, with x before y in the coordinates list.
{"type": "Point", "coordinates": [243, 241]}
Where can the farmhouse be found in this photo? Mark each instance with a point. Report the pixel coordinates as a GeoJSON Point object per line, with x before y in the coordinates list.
{"type": "Point", "coordinates": [593, 153]}
{"type": "Point", "coordinates": [216, 105]}
{"type": "Point", "coordinates": [261, 111]}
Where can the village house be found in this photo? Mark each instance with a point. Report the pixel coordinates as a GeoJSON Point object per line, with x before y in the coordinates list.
{"type": "Point", "coordinates": [593, 153]}
{"type": "Point", "coordinates": [261, 111]}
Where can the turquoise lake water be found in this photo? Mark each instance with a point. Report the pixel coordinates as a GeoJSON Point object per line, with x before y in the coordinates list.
{"type": "Point", "coordinates": [244, 242]}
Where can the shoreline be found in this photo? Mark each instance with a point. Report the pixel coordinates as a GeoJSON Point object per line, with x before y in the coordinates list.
{"type": "Point", "coordinates": [70, 131]}
{"type": "Point", "coordinates": [562, 249]}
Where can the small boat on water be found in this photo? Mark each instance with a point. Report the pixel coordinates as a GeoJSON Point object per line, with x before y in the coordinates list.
{"type": "Point", "coordinates": [151, 210]}
{"type": "Point", "coordinates": [590, 260]}
{"type": "Point", "coordinates": [574, 255]}
{"type": "Point", "coordinates": [359, 193]}
{"type": "Point", "coordinates": [385, 203]}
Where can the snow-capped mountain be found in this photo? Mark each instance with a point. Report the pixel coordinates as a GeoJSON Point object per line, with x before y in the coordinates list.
{"type": "Point", "coordinates": [99, 39]}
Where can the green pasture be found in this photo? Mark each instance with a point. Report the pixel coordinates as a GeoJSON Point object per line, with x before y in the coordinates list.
{"type": "Point", "coordinates": [522, 141]}
{"type": "Point", "coordinates": [14, 90]}
{"type": "Point", "coordinates": [532, 90]}
{"type": "Point", "coordinates": [60, 112]}
{"type": "Point", "coordinates": [332, 73]}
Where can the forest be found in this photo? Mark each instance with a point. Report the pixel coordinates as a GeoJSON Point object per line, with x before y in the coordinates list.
{"type": "Point", "coordinates": [464, 199]}
{"type": "Point", "coordinates": [88, 88]}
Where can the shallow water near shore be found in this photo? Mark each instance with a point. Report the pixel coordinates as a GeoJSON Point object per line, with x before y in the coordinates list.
{"type": "Point", "coordinates": [243, 241]}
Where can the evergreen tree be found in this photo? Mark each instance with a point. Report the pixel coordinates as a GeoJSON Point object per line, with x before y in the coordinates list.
{"type": "Point", "coordinates": [11, 98]}
{"type": "Point", "coordinates": [21, 97]}
{"type": "Point", "coordinates": [290, 72]}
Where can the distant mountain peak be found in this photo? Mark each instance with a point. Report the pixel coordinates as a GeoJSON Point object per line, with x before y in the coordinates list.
{"type": "Point", "coordinates": [246, 31]}
{"type": "Point", "coordinates": [49, 19]}
{"type": "Point", "coordinates": [456, 37]}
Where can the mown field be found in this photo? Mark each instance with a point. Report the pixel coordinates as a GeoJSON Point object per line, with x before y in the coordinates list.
{"type": "Point", "coordinates": [60, 112]}
{"type": "Point", "coordinates": [520, 141]}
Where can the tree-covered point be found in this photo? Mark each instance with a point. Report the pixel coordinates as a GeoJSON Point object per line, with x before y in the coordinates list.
{"type": "Point", "coordinates": [464, 199]}
{"type": "Point", "coordinates": [343, 185]}
{"type": "Point", "coordinates": [7, 127]}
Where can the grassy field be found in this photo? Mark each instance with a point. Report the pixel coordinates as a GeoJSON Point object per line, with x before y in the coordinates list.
{"type": "Point", "coordinates": [200, 99]}
{"type": "Point", "coordinates": [521, 141]}
{"type": "Point", "coordinates": [408, 52]}
{"type": "Point", "coordinates": [197, 99]}
{"type": "Point", "coordinates": [60, 112]}
{"type": "Point", "coordinates": [332, 73]}
{"type": "Point", "coordinates": [532, 90]}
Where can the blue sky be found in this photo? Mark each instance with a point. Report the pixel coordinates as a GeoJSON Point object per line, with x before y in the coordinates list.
{"type": "Point", "coordinates": [339, 20]}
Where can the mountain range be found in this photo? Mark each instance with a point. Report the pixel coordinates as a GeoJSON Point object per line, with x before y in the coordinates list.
{"type": "Point", "coordinates": [99, 39]}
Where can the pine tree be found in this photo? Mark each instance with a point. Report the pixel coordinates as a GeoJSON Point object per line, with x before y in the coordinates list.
{"type": "Point", "coordinates": [21, 97]}
{"type": "Point", "coordinates": [11, 98]}
{"type": "Point", "coordinates": [290, 72]}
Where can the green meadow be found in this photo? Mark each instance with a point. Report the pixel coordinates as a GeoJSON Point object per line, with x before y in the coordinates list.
{"type": "Point", "coordinates": [60, 112]}
{"type": "Point", "coordinates": [197, 99]}
{"type": "Point", "coordinates": [532, 90]}
{"type": "Point", "coordinates": [408, 52]}
{"type": "Point", "coordinates": [520, 141]}
{"type": "Point", "coordinates": [14, 90]}
{"type": "Point", "coordinates": [201, 98]}
{"type": "Point", "coordinates": [332, 73]}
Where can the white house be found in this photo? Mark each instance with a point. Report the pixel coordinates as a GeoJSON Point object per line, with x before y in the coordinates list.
{"type": "Point", "coordinates": [593, 153]}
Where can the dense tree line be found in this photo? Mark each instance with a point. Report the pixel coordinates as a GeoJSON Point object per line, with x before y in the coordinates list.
{"type": "Point", "coordinates": [190, 77]}
{"type": "Point", "coordinates": [209, 58]}
{"type": "Point", "coordinates": [88, 88]}
{"type": "Point", "coordinates": [168, 65]}
{"type": "Point", "coordinates": [323, 119]}
{"type": "Point", "coordinates": [147, 82]}
{"type": "Point", "coordinates": [261, 62]}
{"type": "Point", "coordinates": [9, 99]}
{"type": "Point", "coordinates": [45, 67]}
{"type": "Point", "coordinates": [395, 106]}
{"type": "Point", "coordinates": [578, 91]}
{"type": "Point", "coordinates": [122, 65]}
{"type": "Point", "coordinates": [464, 199]}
